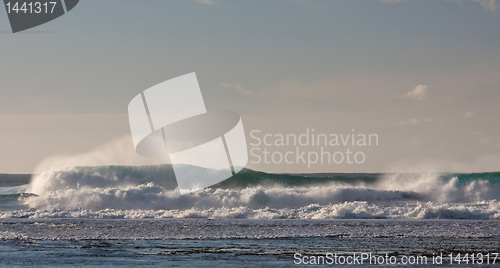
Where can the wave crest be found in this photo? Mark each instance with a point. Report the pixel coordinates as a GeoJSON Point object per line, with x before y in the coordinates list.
{"type": "Point", "coordinates": [149, 192]}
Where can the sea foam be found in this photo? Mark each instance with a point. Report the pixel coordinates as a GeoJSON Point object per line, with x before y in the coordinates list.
{"type": "Point", "coordinates": [149, 192]}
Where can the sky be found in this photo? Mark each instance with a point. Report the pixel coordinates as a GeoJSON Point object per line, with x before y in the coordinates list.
{"type": "Point", "coordinates": [424, 76]}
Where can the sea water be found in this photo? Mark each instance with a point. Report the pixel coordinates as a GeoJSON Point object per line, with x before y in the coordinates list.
{"type": "Point", "coordinates": [131, 216]}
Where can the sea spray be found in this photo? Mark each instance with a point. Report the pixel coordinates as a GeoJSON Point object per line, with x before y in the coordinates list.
{"type": "Point", "coordinates": [147, 191]}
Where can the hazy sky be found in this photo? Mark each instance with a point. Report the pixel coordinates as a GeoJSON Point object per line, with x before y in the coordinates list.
{"type": "Point", "coordinates": [422, 75]}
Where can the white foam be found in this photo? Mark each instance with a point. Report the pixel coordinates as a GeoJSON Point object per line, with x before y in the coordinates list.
{"type": "Point", "coordinates": [346, 210]}
{"type": "Point", "coordinates": [100, 194]}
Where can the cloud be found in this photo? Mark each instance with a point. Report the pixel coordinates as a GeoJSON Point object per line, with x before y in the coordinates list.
{"type": "Point", "coordinates": [481, 139]}
{"type": "Point", "coordinates": [490, 5]}
{"type": "Point", "coordinates": [206, 2]}
{"type": "Point", "coordinates": [416, 121]}
{"type": "Point", "coordinates": [419, 93]}
{"type": "Point", "coordinates": [411, 121]}
{"type": "Point", "coordinates": [238, 88]}
{"type": "Point", "coordinates": [390, 1]}
{"type": "Point", "coordinates": [468, 114]}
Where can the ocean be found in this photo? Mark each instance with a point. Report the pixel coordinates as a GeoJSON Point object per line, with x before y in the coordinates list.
{"type": "Point", "coordinates": [126, 216]}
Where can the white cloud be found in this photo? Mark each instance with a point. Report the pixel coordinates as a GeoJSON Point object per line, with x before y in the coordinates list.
{"type": "Point", "coordinates": [416, 121]}
{"type": "Point", "coordinates": [487, 4]}
{"type": "Point", "coordinates": [206, 2]}
{"type": "Point", "coordinates": [481, 139]}
{"type": "Point", "coordinates": [468, 114]}
{"type": "Point", "coordinates": [490, 5]}
{"type": "Point", "coordinates": [411, 121]}
{"type": "Point", "coordinates": [238, 88]}
{"type": "Point", "coordinates": [419, 93]}
{"type": "Point", "coordinates": [390, 1]}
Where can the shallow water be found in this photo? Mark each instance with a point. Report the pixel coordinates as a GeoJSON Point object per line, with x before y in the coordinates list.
{"type": "Point", "coordinates": [228, 243]}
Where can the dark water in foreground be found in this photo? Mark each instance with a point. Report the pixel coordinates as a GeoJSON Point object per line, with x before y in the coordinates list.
{"type": "Point", "coordinates": [232, 243]}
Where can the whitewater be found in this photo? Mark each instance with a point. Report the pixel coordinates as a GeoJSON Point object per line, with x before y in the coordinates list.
{"type": "Point", "coordinates": [122, 192]}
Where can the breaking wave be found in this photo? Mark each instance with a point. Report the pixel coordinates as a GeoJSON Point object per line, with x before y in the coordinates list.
{"type": "Point", "coordinates": [149, 192]}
